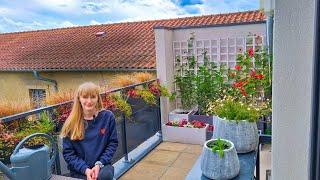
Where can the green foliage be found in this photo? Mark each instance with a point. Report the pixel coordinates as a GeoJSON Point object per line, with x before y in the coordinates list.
{"type": "Point", "coordinates": [218, 146]}
{"type": "Point", "coordinates": [122, 105]}
{"type": "Point", "coordinates": [197, 89]}
{"type": "Point", "coordinates": [209, 83]}
{"type": "Point", "coordinates": [252, 77]}
{"type": "Point", "coordinates": [147, 96]}
{"type": "Point", "coordinates": [9, 137]}
{"type": "Point", "coordinates": [231, 109]}
{"type": "Point", "coordinates": [43, 125]}
{"type": "Point", "coordinates": [184, 80]}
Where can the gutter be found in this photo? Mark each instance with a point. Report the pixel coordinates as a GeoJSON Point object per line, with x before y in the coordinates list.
{"type": "Point", "coordinates": [38, 77]}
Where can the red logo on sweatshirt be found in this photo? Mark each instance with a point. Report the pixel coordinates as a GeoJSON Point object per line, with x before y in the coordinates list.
{"type": "Point", "coordinates": [103, 131]}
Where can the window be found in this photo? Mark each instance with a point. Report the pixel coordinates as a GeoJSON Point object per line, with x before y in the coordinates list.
{"type": "Point", "coordinates": [37, 97]}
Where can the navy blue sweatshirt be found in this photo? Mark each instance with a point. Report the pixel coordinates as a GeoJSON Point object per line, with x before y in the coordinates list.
{"type": "Point", "coordinates": [99, 144]}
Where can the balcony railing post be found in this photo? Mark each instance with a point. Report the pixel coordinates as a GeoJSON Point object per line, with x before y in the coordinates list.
{"type": "Point", "coordinates": [158, 115]}
{"type": "Point", "coordinates": [57, 160]}
{"type": "Point", "coordinates": [258, 161]}
{"type": "Point", "coordinates": [124, 138]}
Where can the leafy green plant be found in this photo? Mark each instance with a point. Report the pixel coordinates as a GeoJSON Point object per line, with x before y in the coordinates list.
{"type": "Point", "coordinates": [184, 79]}
{"type": "Point", "coordinates": [122, 105]}
{"type": "Point", "coordinates": [197, 89]}
{"type": "Point", "coordinates": [147, 96]}
{"type": "Point", "coordinates": [10, 137]}
{"type": "Point", "coordinates": [218, 146]}
{"type": "Point", "coordinates": [232, 109]}
{"type": "Point", "coordinates": [209, 83]}
{"type": "Point", "coordinates": [251, 78]}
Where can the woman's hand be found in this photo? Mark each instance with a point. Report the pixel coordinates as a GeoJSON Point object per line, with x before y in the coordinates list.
{"type": "Point", "coordinates": [89, 173]}
{"type": "Point", "coordinates": [96, 170]}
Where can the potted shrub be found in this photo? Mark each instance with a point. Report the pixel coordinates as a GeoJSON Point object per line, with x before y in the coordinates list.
{"type": "Point", "coordinates": [219, 159]}
{"type": "Point", "coordinates": [236, 121]}
{"type": "Point", "coordinates": [185, 132]}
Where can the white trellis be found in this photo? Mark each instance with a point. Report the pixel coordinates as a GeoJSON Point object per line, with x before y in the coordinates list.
{"type": "Point", "coordinates": [220, 50]}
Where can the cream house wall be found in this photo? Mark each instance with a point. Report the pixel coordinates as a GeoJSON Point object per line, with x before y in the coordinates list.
{"type": "Point", "coordinates": [14, 86]}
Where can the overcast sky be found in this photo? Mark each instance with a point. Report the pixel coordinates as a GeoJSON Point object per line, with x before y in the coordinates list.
{"type": "Point", "coordinates": [26, 15]}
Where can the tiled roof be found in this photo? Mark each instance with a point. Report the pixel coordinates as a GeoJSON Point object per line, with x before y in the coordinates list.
{"type": "Point", "coordinates": [128, 45]}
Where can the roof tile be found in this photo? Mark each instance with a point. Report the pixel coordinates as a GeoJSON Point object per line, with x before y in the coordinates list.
{"type": "Point", "coordinates": [125, 45]}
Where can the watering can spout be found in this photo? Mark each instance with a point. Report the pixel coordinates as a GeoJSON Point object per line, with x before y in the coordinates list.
{"type": "Point", "coordinates": [6, 171]}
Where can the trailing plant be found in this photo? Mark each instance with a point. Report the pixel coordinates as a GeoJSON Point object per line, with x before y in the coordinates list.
{"type": "Point", "coordinates": [147, 96]}
{"type": "Point", "coordinates": [122, 105]}
{"type": "Point", "coordinates": [150, 93]}
{"type": "Point", "coordinates": [218, 146]}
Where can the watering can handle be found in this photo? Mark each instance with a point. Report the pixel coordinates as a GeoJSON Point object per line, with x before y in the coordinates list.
{"type": "Point", "coordinates": [36, 135]}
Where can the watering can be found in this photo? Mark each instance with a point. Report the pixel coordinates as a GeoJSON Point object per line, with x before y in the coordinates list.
{"type": "Point", "coordinates": [31, 162]}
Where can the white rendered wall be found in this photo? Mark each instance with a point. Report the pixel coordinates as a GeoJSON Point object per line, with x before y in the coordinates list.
{"type": "Point", "coordinates": [163, 44]}
{"type": "Point", "coordinates": [219, 32]}
{"type": "Point", "coordinates": [292, 87]}
{"type": "Point", "coordinates": [164, 39]}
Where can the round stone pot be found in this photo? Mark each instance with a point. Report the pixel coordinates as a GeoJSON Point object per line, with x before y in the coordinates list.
{"type": "Point", "coordinates": [215, 167]}
{"type": "Point", "coordinates": [243, 134]}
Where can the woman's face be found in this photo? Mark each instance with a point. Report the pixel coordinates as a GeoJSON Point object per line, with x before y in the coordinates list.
{"type": "Point", "coordinates": [88, 103]}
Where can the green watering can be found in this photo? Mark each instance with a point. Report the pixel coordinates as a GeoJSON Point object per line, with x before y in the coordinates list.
{"type": "Point", "coordinates": [31, 162]}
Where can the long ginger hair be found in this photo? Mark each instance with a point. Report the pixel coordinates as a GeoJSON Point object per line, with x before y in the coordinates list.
{"type": "Point", "coordinates": [74, 125]}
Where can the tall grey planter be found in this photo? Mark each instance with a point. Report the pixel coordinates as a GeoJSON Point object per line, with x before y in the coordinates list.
{"type": "Point", "coordinates": [215, 167]}
{"type": "Point", "coordinates": [243, 134]}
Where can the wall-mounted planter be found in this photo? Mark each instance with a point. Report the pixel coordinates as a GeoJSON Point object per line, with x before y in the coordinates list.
{"type": "Point", "coordinates": [184, 134]}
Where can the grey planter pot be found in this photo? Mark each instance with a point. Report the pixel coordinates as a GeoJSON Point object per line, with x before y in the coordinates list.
{"type": "Point", "coordinates": [214, 167]}
{"type": "Point", "coordinates": [243, 134]}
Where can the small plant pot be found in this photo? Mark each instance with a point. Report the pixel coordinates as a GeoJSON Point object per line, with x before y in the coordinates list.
{"type": "Point", "coordinates": [180, 114]}
{"type": "Point", "coordinates": [215, 167]}
{"type": "Point", "coordinates": [184, 134]}
{"type": "Point", "coordinates": [242, 133]}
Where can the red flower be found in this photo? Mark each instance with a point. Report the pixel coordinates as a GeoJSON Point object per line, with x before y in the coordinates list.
{"type": "Point", "coordinates": [132, 93]}
{"type": "Point", "coordinates": [183, 122]}
{"type": "Point", "coordinates": [155, 90]}
{"type": "Point", "coordinates": [251, 52]}
{"type": "Point", "coordinates": [243, 92]}
{"type": "Point", "coordinates": [259, 76]}
{"type": "Point", "coordinates": [198, 124]}
{"type": "Point", "coordinates": [238, 67]}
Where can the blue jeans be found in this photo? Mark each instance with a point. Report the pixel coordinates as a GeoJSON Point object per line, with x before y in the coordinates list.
{"type": "Point", "coordinates": [105, 173]}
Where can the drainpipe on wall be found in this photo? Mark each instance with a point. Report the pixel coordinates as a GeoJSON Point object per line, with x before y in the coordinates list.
{"type": "Point", "coordinates": [38, 77]}
{"type": "Point", "coordinates": [270, 32]}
